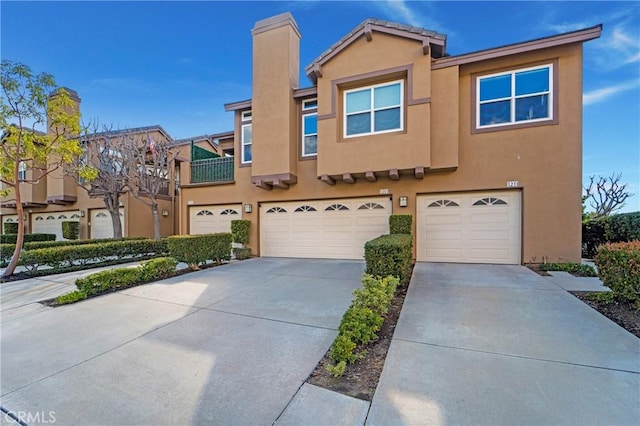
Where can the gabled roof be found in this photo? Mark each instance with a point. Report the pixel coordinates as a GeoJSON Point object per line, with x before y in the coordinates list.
{"type": "Point", "coordinates": [432, 42]}
{"type": "Point", "coordinates": [191, 139]}
{"type": "Point", "coordinates": [133, 130]}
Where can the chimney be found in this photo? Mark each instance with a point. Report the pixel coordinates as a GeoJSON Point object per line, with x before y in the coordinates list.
{"type": "Point", "coordinates": [276, 57]}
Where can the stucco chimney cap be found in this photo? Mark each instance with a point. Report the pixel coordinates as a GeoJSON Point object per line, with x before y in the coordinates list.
{"type": "Point", "coordinates": [275, 22]}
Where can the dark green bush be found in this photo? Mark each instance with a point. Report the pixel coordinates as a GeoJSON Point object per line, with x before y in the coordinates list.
{"type": "Point", "coordinates": [242, 253]}
{"type": "Point", "coordinates": [389, 255]}
{"type": "Point", "coordinates": [611, 229]}
{"type": "Point", "coordinates": [400, 224]}
{"type": "Point", "coordinates": [11, 227]}
{"type": "Point", "coordinates": [619, 268]}
{"type": "Point", "coordinates": [573, 268]}
{"type": "Point", "coordinates": [70, 230]}
{"type": "Point", "coordinates": [240, 231]}
{"type": "Point", "coordinates": [11, 238]}
{"type": "Point", "coordinates": [157, 268]}
{"type": "Point", "coordinates": [73, 297]}
{"type": "Point", "coordinates": [196, 250]}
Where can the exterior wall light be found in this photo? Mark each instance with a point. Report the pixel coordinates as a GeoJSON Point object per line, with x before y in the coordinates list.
{"type": "Point", "coordinates": [248, 208]}
{"type": "Point", "coordinates": [81, 213]}
{"type": "Point", "coordinates": [165, 212]}
{"type": "Point", "coordinates": [403, 201]}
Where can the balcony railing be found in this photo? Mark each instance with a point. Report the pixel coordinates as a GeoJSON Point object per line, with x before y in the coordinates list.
{"type": "Point", "coordinates": [163, 184]}
{"type": "Point", "coordinates": [212, 170]}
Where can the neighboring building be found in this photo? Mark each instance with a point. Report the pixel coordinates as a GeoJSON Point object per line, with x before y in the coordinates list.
{"type": "Point", "coordinates": [58, 198]}
{"type": "Point", "coordinates": [483, 149]}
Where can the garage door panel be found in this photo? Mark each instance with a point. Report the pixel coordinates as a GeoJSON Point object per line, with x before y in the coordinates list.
{"type": "Point", "coordinates": [211, 219]}
{"type": "Point", "coordinates": [482, 228]}
{"type": "Point", "coordinates": [101, 225]}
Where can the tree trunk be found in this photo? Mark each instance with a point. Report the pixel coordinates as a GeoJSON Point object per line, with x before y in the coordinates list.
{"type": "Point", "coordinates": [112, 202]}
{"type": "Point", "coordinates": [20, 238]}
{"type": "Point", "coordinates": [156, 219]}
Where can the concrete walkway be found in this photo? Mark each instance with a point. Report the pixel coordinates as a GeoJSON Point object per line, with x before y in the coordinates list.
{"type": "Point", "coordinates": [498, 345]}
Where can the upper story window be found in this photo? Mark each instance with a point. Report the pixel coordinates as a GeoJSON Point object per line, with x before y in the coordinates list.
{"type": "Point", "coordinates": [247, 142]}
{"type": "Point", "coordinates": [515, 97]}
{"type": "Point", "coordinates": [374, 109]}
{"type": "Point", "coordinates": [246, 116]}
{"type": "Point", "coordinates": [22, 171]}
{"type": "Point", "coordinates": [309, 127]}
{"type": "Point", "coordinates": [309, 104]}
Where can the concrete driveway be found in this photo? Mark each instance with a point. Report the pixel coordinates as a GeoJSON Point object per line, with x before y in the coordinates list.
{"type": "Point", "coordinates": [228, 345]}
{"type": "Point", "coordinates": [501, 345]}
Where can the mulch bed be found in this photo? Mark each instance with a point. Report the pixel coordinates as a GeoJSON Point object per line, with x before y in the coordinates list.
{"type": "Point", "coordinates": [622, 313]}
{"type": "Point", "coordinates": [361, 378]}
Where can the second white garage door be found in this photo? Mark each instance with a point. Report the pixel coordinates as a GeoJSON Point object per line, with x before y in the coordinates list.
{"type": "Point", "coordinates": [101, 224]}
{"type": "Point", "coordinates": [213, 219]}
{"type": "Point", "coordinates": [51, 223]}
{"type": "Point", "coordinates": [469, 227]}
{"type": "Point", "coordinates": [331, 229]}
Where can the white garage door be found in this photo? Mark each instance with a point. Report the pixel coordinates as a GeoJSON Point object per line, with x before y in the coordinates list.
{"type": "Point", "coordinates": [332, 229]}
{"type": "Point", "coordinates": [469, 227]}
{"type": "Point", "coordinates": [101, 225]}
{"type": "Point", "coordinates": [13, 218]}
{"type": "Point", "coordinates": [51, 223]}
{"type": "Point", "coordinates": [213, 219]}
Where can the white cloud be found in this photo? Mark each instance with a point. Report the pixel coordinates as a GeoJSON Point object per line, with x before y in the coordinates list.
{"type": "Point", "coordinates": [565, 27]}
{"type": "Point", "coordinates": [406, 14]}
{"type": "Point", "coordinates": [599, 95]}
{"type": "Point", "coordinates": [411, 13]}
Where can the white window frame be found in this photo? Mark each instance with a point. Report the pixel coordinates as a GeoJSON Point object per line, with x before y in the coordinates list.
{"type": "Point", "coordinates": [22, 171]}
{"type": "Point", "coordinates": [306, 107]}
{"type": "Point", "coordinates": [246, 116]}
{"type": "Point", "coordinates": [304, 154]}
{"type": "Point", "coordinates": [373, 109]}
{"type": "Point", "coordinates": [513, 97]}
{"type": "Point", "coordinates": [243, 144]}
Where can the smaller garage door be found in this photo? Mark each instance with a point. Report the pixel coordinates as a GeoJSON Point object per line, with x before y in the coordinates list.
{"type": "Point", "coordinates": [213, 219]}
{"type": "Point", "coordinates": [13, 218]}
{"type": "Point", "coordinates": [51, 223]}
{"type": "Point", "coordinates": [101, 225]}
{"type": "Point", "coordinates": [482, 227]}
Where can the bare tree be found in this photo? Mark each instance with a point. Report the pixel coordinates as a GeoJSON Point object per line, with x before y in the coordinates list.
{"type": "Point", "coordinates": [103, 153]}
{"type": "Point", "coordinates": [149, 161]}
{"type": "Point", "coordinates": [608, 194]}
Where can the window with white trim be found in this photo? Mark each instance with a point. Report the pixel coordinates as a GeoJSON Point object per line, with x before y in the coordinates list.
{"type": "Point", "coordinates": [309, 134]}
{"type": "Point", "coordinates": [309, 104]}
{"type": "Point", "coordinates": [22, 171]}
{"type": "Point", "coordinates": [514, 97]}
{"type": "Point", "coordinates": [246, 115]}
{"type": "Point", "coordinates": [374, 109]}
{"type": "Point", "coordinates": [247, 142]}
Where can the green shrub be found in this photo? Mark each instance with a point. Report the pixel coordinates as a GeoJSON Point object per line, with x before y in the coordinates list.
{"type": "Point", "coordinates": [389, 255]}
{"type": "Point", "coordinates": [240, 231]}
{"type": "Point", "coordinates": [400, 224]}
{"type": "Point", "coordinates": [573, 268]}
{"type": "Point", "coordinates": [157, 268]}
{"type": "Point", "coordinates": [611, 229]}
{"type": "Point", "coordinates": [73, 297]}
{"type": "Point", "coordinates": [196, 250]}
{"type": "Point", "coordinates": [619, 268]}
{"type": "Point", "coordinates": [242, 253]}
{"type": "Point", "coordinates": [11, 227]}
{"type": "Point", "coordinates": [11, 238]}
{"type": "Point", "coordinates": [70, 230]}
{"type": "Point", "coordinates": [338, 369]}
{"type": "Point", "coordinates": [85, 254]}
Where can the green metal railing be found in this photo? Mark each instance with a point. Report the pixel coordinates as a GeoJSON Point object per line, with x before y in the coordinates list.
{"type": "Point", "coordinates": [212, 170]}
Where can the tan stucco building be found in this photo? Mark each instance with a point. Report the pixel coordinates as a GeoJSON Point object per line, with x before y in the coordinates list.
{"type": "Point", "coordinates": [483, 149]}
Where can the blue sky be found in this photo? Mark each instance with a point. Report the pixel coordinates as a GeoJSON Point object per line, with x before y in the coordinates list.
{"type": "Point", "coordinates": [176, 63]}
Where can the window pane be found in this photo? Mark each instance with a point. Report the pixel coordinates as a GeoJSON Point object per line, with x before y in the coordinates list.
{"type": "Point", "coordinates": [534, 81]}
{"type": "Point", "coordinates": [246, 153]}
{"type": "Point", "coordinates": [310, 104]}
{"type": "Point", "coordinates": [532, 107]}
{"type": "Point", "coordinates": [359, 101]}
{"type": "Point", "coordinates": [359, 123]}
{"type": "Point", "coordinates": [495, 87]}
{"type": "Point", "coordinates": [246, 134]}
{"type": "Point", "coordinates": [495, 112]}
{"type": "Point", "coordinates": [386, 96]}
{"type": "Point", "coordinates": [388, 119]}
{"type": "Point", "coordinates": [310, 124]}
{"type": "Point", "coordinates": [310, 145]}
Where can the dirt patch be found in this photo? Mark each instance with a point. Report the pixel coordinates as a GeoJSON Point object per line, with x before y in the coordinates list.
{"type": "Point", "coordinates": [621, 312]}
{"type": "Point", "coordinates": [361, 378]}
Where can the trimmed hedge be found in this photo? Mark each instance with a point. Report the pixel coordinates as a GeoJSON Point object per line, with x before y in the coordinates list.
{"type": "Point", "coordinates": [619, 268]}
{"type": "Point", "coordinates": [11, 228]}
{"type": "Point", "coordinates": [573, 268]}
{"type": "Point", "coordinates": [111, 279]}
{"type": "Point", "coordinates": [70, 230]}
{"type": "Point", "coordinates": [242, 253]}
{"type": "Point", "coordinates": [196, 250]}
{"type": "Point", "coordinates": [400, 224]}
{"type": "Point", "coordinates": [612, 229]}
{"type": "Point", "coordinates": [11, 238]}
{"type": "Point", "coordinates": [68, 256]}
{"type": "Point", "coordinates": [361, 321]}
{"type": "Point", "coordinates": [389, 255]}
{"type": "Point", "coordinates": [240, 231]}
